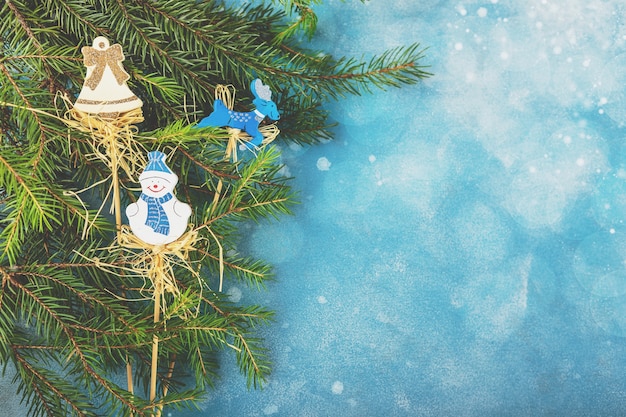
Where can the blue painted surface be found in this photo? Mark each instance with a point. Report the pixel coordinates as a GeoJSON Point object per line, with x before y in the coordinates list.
{"type": "Point", "coordinates": [460, 248]}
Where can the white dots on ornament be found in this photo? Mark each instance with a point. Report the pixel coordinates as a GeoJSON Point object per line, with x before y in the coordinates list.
{"type": "Point", "coordinates": [322, 300]}
{"type": "Point", "coordinates": [481, 12]}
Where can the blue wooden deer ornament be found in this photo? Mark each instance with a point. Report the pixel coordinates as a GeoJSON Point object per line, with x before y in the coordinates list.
{"type": "Point", "coordinates": [247, 121]}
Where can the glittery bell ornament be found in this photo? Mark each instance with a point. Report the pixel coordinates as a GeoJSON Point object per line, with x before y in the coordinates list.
{"type": "Point", "coordinates": [104, 91]}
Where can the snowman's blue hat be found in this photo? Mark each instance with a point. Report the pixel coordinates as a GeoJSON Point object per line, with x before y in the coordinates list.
{"type": "Point", "coordinates": [156, 162]}
{"type": "Point", "coordinates": [157, 167]}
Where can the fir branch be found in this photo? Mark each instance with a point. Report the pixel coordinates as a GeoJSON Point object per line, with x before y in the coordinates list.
{"type": "Point", "coordinates": [35, 115]}
{"type": "Point", "coordinates": [250, 271]}
{"type": "Point", "coordinates": [50, 392]}
{"type": "Point", "coordinates": [30, 207]}
{"type": "Point", "coordinates": [306, 23]}
{"type": "Point", "coordinates": [142, 28]}
{"type": "Point", "coordinates": [252, 360]}
{"type": "Point", "coordinates": [349, 76]}
{"type": "Point", "coordinates": [22, 21]}
{"type": "Point", "coordinates": [49, 311]}
{"type": "Point", "coordinates": [246, 196]}
{"type": "Point", "coordinates": [91, 298]}
{"type": "Point", "coordinates": [74, 16]}
{"type": "Point", "coordinates": [54, 282]}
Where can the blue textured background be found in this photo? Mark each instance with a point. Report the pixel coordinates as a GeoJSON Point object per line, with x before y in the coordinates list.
{"type": "Point", "coordinates": [460, 249]}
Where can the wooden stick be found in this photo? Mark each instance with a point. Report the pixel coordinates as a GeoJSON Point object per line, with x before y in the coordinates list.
{"type": "Point", "coordinates": [117, 204]}
{"type": "Point", "coordinates": [129, 375]}
{"type": "Point", "coordinates": [170, 372]}
{"type": "Point", "coordinates": [158, 288]}
{"type": "Point", "coordinates": [155, 348]}
{"type": "Point", "coordinates": [129, 379]}
{"type": "Point", "coordinates": [117, 207]}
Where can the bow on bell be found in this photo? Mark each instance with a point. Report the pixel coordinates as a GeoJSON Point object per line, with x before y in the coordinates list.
{"type": "Point", "coordinates": [111, 57]}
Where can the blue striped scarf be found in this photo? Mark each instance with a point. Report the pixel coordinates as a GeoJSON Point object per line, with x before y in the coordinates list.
{"type": "Point", "coordinates": [157, 218]}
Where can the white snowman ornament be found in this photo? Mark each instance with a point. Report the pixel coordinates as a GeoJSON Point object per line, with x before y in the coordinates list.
{"type": "Point", "coordinates": [158, 217]}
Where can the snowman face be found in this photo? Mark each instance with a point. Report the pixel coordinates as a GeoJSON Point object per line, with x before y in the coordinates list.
{"type": "Point", "coordinates": [156, 186]}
